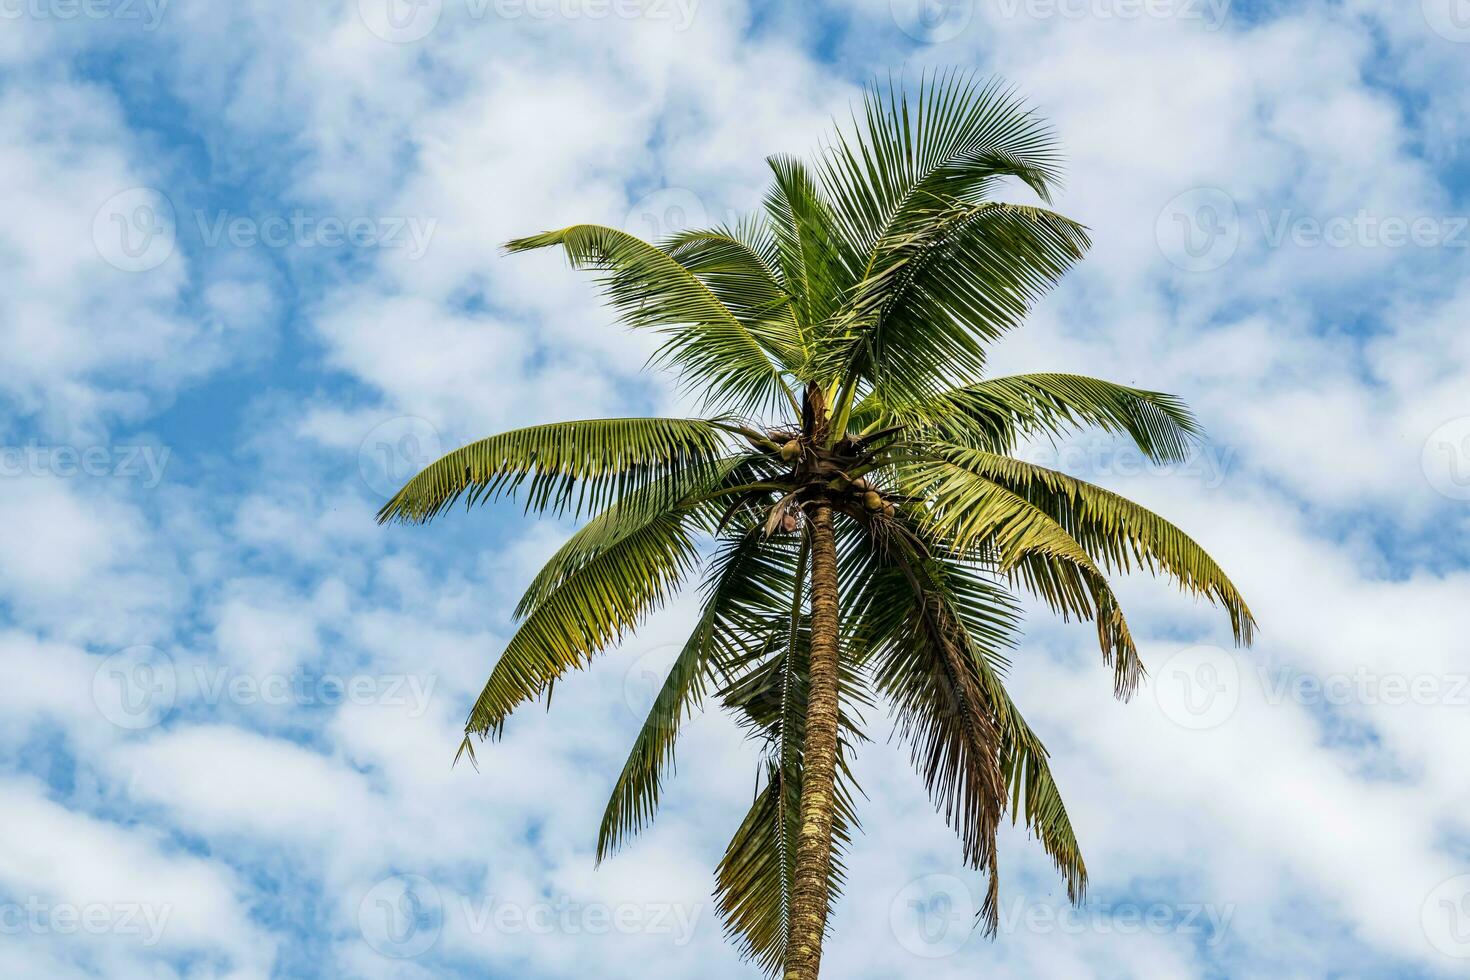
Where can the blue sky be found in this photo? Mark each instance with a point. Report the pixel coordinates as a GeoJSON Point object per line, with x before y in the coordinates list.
{"type": "Point", "coordinates": [254, 280]}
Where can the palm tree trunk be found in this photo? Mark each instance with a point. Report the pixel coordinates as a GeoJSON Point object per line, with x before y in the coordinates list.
{"type": "Point", "coordinates": [819, 763]}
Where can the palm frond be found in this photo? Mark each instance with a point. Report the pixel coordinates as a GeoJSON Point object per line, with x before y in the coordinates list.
{"type": "Point", "coordinates": [740, 265]}
{"type": "Point", "coordinates": [561, 466]}
{"type": "Point", "coordinates": [979, 517]}
{"type": "Point", "coordinates": [994, 414]}
{"type": "Point", "coordinates": [649, 288]}
{"type": "Point", "coordinates": [1118, 533]}
{"type": "Point", "coordinates": [745, 590]}
{"type": "Point", "coordinates": [937, 297]}
{"type": "Point", "coordinates": [595, 607]}
{"type": "Point", "coordinates": [952, 142]}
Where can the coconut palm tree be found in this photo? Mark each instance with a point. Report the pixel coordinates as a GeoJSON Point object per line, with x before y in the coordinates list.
{"type": "Point", "coordinates": [853, 493]}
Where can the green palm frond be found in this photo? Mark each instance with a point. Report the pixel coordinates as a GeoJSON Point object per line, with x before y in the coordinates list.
{"type": "Point", "coordinates": [979, 517]}
{"type": "Point", "coordinates": [1118, 533]}
{"type": "Point", "coordinates": [740, 265]}
{"type": "Point", "coordinates": [747, 585]}
{"type": "Point", "coordinates": [818, 265]}
{"type": "Point", "coordinates": [927, 664]}
{"type": "Point", "coordinates": [562, 466]}
{"type": "Point", "coordinates": [952, 142]}
{"type": "Point", "coordinates": [982, 620]}
{"type": "Point", "coordinates": [996, 413]}
{"type": "Point", "coordinates": [704, 340]}
{"type": "Point", "coordinates": [935, 299]}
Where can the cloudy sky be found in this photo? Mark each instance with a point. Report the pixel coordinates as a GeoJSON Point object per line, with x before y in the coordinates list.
{"type": "Point", "coordinates": [253, 282]}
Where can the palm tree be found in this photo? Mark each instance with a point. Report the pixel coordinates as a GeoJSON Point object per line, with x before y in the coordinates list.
{"type": "Point", "coordinates": [856, 473]}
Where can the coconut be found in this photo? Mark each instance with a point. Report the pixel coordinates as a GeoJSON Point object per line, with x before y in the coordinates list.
{"type": "Point", "coordinates": [791, 450]}
{"type": "Point", "coordinates": [872, 500]}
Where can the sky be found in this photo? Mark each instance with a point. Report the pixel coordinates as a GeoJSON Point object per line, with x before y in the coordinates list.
{"type": "Point", "coordinates": [254, 282]}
